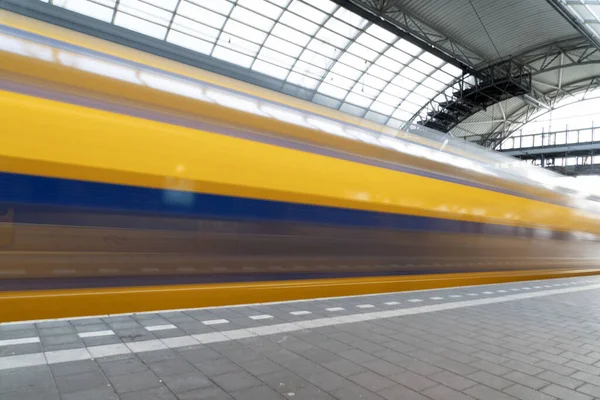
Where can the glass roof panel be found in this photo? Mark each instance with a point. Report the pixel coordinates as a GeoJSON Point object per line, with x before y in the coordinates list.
{"type": "Point", "coordinates": [306, 11]}
{"type": "Point", "coordinates": [325, 5]}
{"type": "Point", "coordinates": [190, 42]}
{"type": "Point", "coordinates": [270, 69]}
{"type": "Point", "coordinates": [248, 17]}
{"type": "Point", "coordinates": [333, 91]}
{"type": "Point", "coordinates": [262, 7]}
{"type": "Point", "coordinates": [290, 34]}
{"type": "Point", "coordinates": [89, 8]}
{"type": "Point", "coordinates": [314, 44]}
{"type": "Point", "coordinates": [190, 12]}
{"type": "Point", "coordinates": [140, 25]}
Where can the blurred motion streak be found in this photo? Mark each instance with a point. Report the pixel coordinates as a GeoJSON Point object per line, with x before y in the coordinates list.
{"type": "Point", "coordinates": [120, 169]}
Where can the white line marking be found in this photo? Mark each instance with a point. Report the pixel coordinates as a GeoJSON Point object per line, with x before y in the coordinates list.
{"type": "Point", "coordinates": [526, 288]}
{"type": "Point", "coordinates": [259, 317]}
{"type": "Point", "coordinates": [392, 303]}
{"type": "Point", "coordinates": [96, 334]}
{"type": "Point", "coordinates": [300, 312]}
{"type": "Point", "coordinates": [537, 287]}
{"type": "Point", "coordinates": [63, 271]}
{"type": "Point", "coordinates": [60, 356]}
{"type": "Point", "coordinates": [365, 306]}
{"type": "Point", "coordinates": [415, 300]}
{"type": "Point", "coordinates": [437, 298]}
{"type": "Point", "coordinates": [151, 345]}
{"type": "Point", "coordinates": [160, 327]}
{"type": "Point", "coordinates": [500, 291]}
{"type": "Point", "coordinates": [334, 309]}
{"type": "Point", "coordinates": [12, 272]}
{"type": "Point", "coordinates": [11, 342]}
{"type": "Point", "coordinates": [215, 322]}
{"type": "Point", "coordinates": [515, 289]}
{"type": "Point", "coordinates": [472, 294]}
{"type": "Point", "coordinates": [455, 296]}
{"type": "Point", "coordinates": [487, 293]}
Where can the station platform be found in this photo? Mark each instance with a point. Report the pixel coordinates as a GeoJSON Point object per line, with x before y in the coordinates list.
{"type": "Point", "coordinates": [526, 340]}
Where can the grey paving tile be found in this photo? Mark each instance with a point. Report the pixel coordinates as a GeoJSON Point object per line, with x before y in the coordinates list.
{"type": "Point", "coordinates": [258, 393]}
{"type": "Point", "coordinates": [81, 382]}
{"type": "Point", "coordinates": [212, 392]}
{"type": "Point", "coordinates": [490, 380]}
{"type": "Point", "coordinates": [485, 393]}
{"type": "Point", "coordinates": [259, 366]}
{"type": "Point", "coordinates": [590, 389]}
{"type": "Point", "coordinates": [382, 367]}
{"type": "Point", "coordinates": [398, 392]}
{"type": "Point", "coordinates": [525, 393]}
{"type": "Point", "coordinates": [101, 393]}
{"type": "Point", "coordinates": [454, 381]}
{"type": "Point", "coordinates": [157, 355]}
{"type": "Point", "coordinates": [526, 380]}
{"type": "Point", "coordinates": [372, 381]}
{"type": "Point", "coordinates": [563, 393]}
{"type": "Point", "coordinates": [344, 367]}
{"type": "Point", "coordinates": [218, 366]}
{"type": "Point", "coordinates": [171, 367]}
{"type": "Point", "coordinates": [412, 380]}
{"type": "Point", "coordinates": [187, 381]}
{"type": "Point", "coordinates": [100, 340]}
{"type": "Point", "coordinates": [356, 392]}
{"type": "Point", "coordinates": [47, 394]}
{"type": "Point", "coordinates": [135, 381]}
{"type": "Point", "coordinates": [561, 380]}
{"type": "Point", "coordinates": [26, 379]}
{"type": "Point", "coordinates": [235, 381]}
{"type": "Point", "coordinates": [286, 382]}
{"type": "Point", "coordinates": [123, 367]}
{"type": "Point", "coordinates": [74, 367]}
{"type": "Point", "coordinates": [200, 354]}
{"type": "Point", "coordinates": [441, 392]}
{"type": "Point", "coordinates": [18, 349]}
{"type": "Point", "coordinates": [327, 381]}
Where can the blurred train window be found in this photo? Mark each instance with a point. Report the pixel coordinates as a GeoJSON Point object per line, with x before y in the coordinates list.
{"type": "Point", "coordinates": [4, 210]}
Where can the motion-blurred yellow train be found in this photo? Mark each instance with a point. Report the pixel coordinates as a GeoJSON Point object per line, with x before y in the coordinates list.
{"type": "Point", "coordinates": [130, 182]}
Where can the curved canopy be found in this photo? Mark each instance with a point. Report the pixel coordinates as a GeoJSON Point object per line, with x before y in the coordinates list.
{"type": "Point", "coordinates": [383, 60]}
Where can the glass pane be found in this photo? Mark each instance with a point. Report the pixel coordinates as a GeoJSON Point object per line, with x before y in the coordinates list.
{"type": "Point", "coordinates": [140, 25]}
{"type": "Point", "coordinates": [398, 56]}
{"type": "Point", "coordinates": [220, 6]}
{"type": "Point", "coordinates": [359, 100]}
{"type": "Point", "coordinates": [239, 45]}
{"type": "Point", "coordinates": [294, 21]}
{"type": "Point", "coordinates": [290, 34]}
{"type": "Point", "coordinates": [232, 56]}
{"type": "Point", "coordinates": [372, 43]}
{"type": "Point", "coordinates": [316, 59]}
{"type": "Point", "coordinates": [270, 69]}
{"type": "Point", "coordinates": [361, 51]}
{"type": "Point", "coordinates": [91, 9]}
{"type": "Point", "coordinates": [389, 64]}
{"type": "Point", "coordinates": [324, 5]}
{"type": "Point", "coordinates": [189, 42]}
{"type": "Point", "coordinates": [382, 108]}
{"type": "Point", "coordinates": [244, 31]}
{"type": "Point", "coordinates": [422, 67]}
{"type": "Point", "coordinates": [339, 80]}
{"type": "Point", "coordinates": [283, 46]}
{"type": "Point", "coordinates": [345, 71]}
{"type": "Point", "coordinates": [276, 58]}
{"type": "Point", "coordinates": [350, 18]}
{"type": "Point", "coordinates": [332, 91]}
{"type": "Point", "coordinates": [248, 17]}
{"type": "Point", "coordinates": [302, 80]}
{"type": "Point", "coordinates": [260, 6]}
{"type": "Point", "coordinates": [332, 38]}
{"type": "Point", "coordinates": [188, 11]}
{"type": "Point", "coordinates": [342, 28]}
{"type": "Point", "coordinates": [308, 12]}
{"type": "Point", "coordinates": [585, 135]}
{"type": "Point", "coordinates": [382, 34]}
{"type": "Point", "coordinates": [408, 47]}
{"type": "Point", "coordinates": [309, 69]}
{"type": "Point", "coordinates": [381, 73]}
{"type": "Point", "coordinates": [195, 29]}
{"type": "Point", "coordinates": [388, 99]}
{"type": "Point", "coordinates": [146, 11]}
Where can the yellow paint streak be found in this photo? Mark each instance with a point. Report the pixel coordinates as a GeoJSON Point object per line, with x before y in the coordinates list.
{"type": "Point", "coordinates": [41, 304]}
{"type": "Point", "coordinates": [74, 142]}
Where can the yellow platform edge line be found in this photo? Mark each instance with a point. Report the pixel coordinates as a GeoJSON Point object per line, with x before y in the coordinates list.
{"type": "Point", "coordinates": [69, 303]}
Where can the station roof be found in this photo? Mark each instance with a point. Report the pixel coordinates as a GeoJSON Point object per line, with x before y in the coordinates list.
{"type": "Point", "coordinates": [383, 60]}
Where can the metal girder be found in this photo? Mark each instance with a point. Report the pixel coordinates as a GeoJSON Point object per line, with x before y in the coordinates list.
{"type": "Point", "coordinates": [561, 7]}
{"type": "Point", "coordinates": [388, 15]}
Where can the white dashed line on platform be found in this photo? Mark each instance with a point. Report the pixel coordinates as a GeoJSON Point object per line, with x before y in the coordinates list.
{"type": "Point", "coordinates": [215, 322]}
{"type": "Point", "coordinates": [96, 334]}
{"type": "Point", "coordinates": [160, 327]}
{"type": "Point", "coordinates": [334, 309]}
{"type": "Point", "coordinates": [300, 312]}
{"type": "Point", "coordinates": [365, 306]}
{"type": "Point", "coordinates": [11, 342]}
{"type": "Point", "coordinates": [259, 317]}
{"type": "Point", "coordinates": [392, 303]}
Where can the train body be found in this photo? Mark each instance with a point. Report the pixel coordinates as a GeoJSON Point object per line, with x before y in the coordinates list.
{"type": "Point", "coordinates": [122, 169]}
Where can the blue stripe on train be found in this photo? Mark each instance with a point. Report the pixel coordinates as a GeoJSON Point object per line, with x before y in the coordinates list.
{"type": "Point", "coordinates": [29, 194]}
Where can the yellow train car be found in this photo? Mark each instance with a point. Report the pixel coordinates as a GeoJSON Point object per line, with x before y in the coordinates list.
{"type": "Point", "coordinates": [133, 183]}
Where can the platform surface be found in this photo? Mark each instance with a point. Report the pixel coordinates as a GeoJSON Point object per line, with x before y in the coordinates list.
{"type": "Point", "coordinates": [527, 340]}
